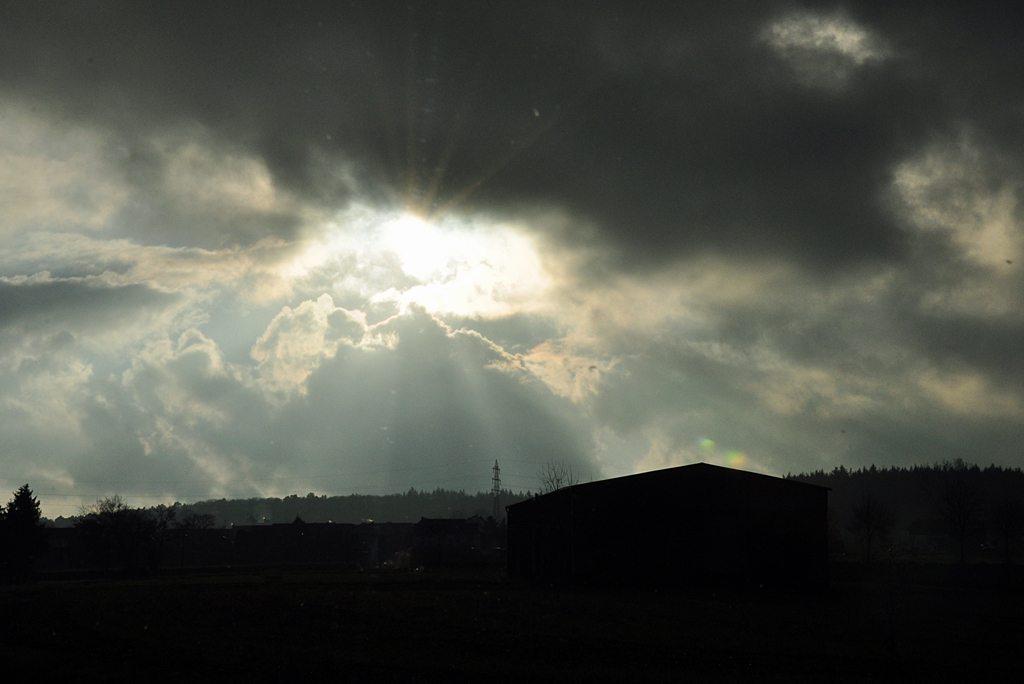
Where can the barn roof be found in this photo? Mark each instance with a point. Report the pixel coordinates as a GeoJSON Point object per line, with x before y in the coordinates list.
{"type": "Point", "coordinates": [695, 472]}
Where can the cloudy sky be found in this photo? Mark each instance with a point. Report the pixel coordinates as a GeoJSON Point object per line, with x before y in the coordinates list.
{"type": "Point", "coordinates": [358, 247]}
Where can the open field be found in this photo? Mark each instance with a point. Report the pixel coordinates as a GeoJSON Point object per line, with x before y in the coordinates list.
{"type": "Point", "coordinates": [284, 625]}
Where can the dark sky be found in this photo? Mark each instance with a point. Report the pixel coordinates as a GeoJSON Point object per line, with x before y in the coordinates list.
{"type": "Point", "coordinates": [257, 249]}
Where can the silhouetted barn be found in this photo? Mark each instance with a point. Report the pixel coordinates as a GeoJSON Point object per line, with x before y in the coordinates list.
{"type": "Point", "coordinates": [692, 523]}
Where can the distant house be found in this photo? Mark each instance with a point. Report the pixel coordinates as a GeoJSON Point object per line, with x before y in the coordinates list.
{"type": "Point", "coordinates": [691, 523]}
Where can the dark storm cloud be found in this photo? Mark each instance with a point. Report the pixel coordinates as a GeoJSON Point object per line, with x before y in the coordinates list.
{"type": "Point", "coordinates": [669, 130]}
{"type": "Point", "coordinates": [74, 304]}
{"type": "Point", "coordinates": [992, 346]}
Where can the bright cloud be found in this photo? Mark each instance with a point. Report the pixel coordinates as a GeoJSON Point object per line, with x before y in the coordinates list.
{"type": "Point", "coordinates": [53, 174]}
{"type": "Point", "coordinates": [957, 189]}
{"type": "Point", "coordinates": [298, 340]}
{"type": "Point", "coordinates": [824, 49]}
{"type": "Point", "coordinates": [466, 266]}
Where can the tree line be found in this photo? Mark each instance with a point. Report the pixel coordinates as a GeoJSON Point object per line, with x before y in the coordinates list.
{"type": "Point", "coordinates": [111, 534]}
{"type": "Point", "coordinates": [872, 509]}
{"type": "Point", "coordinates": [115, 533]}
{"type": "Point", "coordinates": [120, 535]}
{"type": "Point", "coordinates": [408, 506]}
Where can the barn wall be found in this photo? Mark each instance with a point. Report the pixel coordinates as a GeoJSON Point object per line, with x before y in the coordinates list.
{"type": "Point", "coordinates": [693, 522]}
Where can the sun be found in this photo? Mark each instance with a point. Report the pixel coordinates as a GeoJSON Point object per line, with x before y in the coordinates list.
{"type": "Point", "coordinates": [425, 250]}
{"type": "Point", "coordinates": [467, 266]}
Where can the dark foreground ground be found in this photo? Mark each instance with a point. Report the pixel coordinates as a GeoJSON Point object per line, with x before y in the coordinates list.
{"type": "Point", "coordinates": [278, 625]}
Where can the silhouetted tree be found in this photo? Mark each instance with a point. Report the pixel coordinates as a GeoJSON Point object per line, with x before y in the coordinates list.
{"type": "Point", "coordinates": [556, 475]}
{"type": "Point", "coordinates": [871, 521]}
{"type": "Point", "coordinates": [164, 518]}
{"type": "Point", "coordinates": [835, 535]}
{"type": "Point", "coordinates": [192, 524]}
{"type": "Point", "coordinates": [957, 497]}
{"type": "Point", "coordinates": [22, 537]}
{"type": "Point", "coordinates": [116, 531]}
{"type": "Point", "coordinates": [1008, 519]}
{"type": "Point", "coordinates": [198, 521]}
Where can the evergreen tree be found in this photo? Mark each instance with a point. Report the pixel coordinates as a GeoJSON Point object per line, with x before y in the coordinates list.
{"type": "Point", "coordinates": [22, 537]}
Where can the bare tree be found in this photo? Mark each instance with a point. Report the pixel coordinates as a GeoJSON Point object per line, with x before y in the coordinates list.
{"type": "Point", "coordinates": [835, 535]}
{"type": "Point", "coordinates": [958, 499]}
{"type": "Point", "coordinates": [556, 475]}
{"type": "Point", "coordinates": [114, 529]}
{"type": "Point", "coordinates": [1008, 518]}
{"type": "Point", "coordinates": [198, 521]}
{"type": "Point", "coordinates": [872, 521]}
{"type": "Point", "coordinates": [165, 517]}
{"type": "Point", "coordinates": [192, 524]}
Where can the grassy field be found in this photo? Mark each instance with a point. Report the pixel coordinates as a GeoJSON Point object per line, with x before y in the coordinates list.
{"type": "Point", "coordinates": [276, 625]}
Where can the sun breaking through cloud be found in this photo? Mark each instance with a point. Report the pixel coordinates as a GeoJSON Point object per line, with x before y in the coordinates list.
{"type": "Point", "coordinates": [383, 245]}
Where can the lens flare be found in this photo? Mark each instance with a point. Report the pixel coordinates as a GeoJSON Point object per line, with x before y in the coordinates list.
{"type": "Point", "coordinates": [732, 457]}
{"type": "Point", "coordinates": [736, 459]}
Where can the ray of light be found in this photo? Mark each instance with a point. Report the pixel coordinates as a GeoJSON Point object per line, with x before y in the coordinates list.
{"type": "Point", "coordinates": [422, 176]}
{"type": "Point", "coordinates": [515, 149]}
